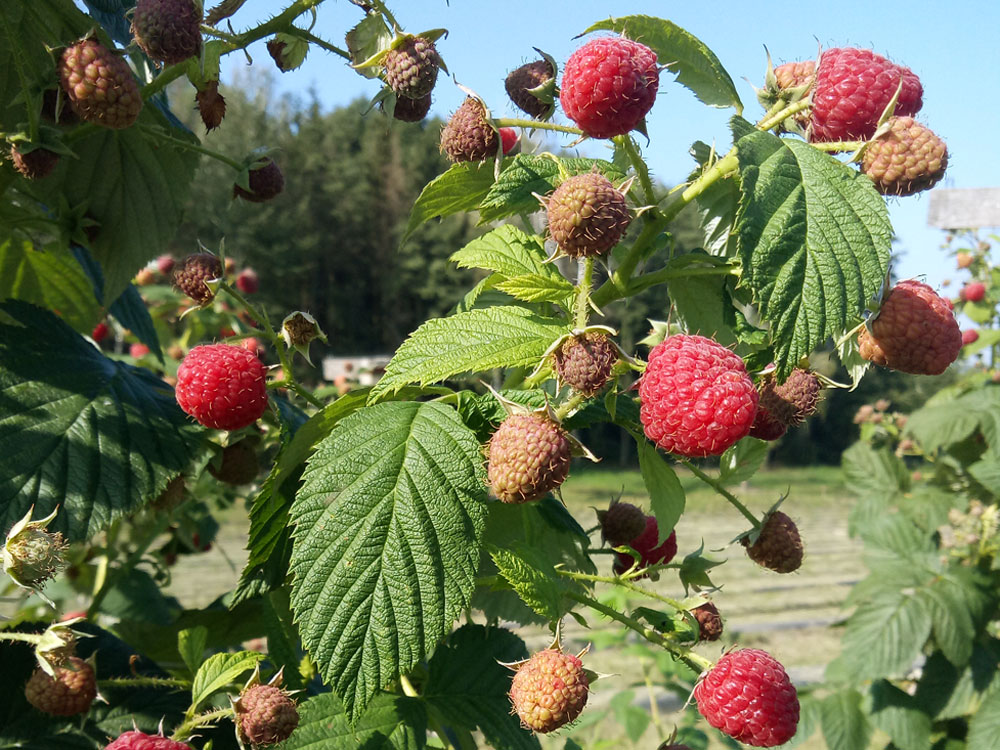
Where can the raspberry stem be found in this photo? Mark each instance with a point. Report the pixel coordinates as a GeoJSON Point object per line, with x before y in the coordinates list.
{"type": "Point", "coordinates": [838, 145]}
{"type": "Point", "coordinates": [618, 581]}
{"type": "Point", "coordinates": [138, 682]}
{"type": "Point", "coordinates": [184, 731]}
{"type": "Point", "coordinates": [641, 170]}
{"type": "Point", "coordinates": [718, 487]}
{"type": "Point", "coordinates": [507, 122]}
{"type": "Point", "coordinates": [585, 280]}
{"type": "Point", "coordinates": [313, 39]}
{"type": "Point", "coordinates": [163, 137]}
{"type": "Point", "coordinates": [779, 117]}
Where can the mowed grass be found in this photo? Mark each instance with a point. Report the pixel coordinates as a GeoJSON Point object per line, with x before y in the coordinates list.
{"type": "Point", "coordinates": [795, 617]}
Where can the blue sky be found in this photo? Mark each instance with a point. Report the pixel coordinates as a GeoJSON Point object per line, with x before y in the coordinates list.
{"type": "Point", "coordinates": [952, 47]}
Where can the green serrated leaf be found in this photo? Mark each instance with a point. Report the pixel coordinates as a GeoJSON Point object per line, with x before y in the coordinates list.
{"type": "Point", "coordinates": [459, 189]}
{"type": "Point", "coordinates": [191, 644]}
{"type": "Point", "coordinates": [844, 724]}
{"type": "Point", "coordinates": [529, 176]}
{"type": "Point", "coordinates": [468, 685]}
{"type": "Point", "coordinates": [388, 526]}
{"type": "Point", "coordinates": [984, 727]}
{"type": "Point", "coordinates": [884, 637]}
{"type": "Point", "coordinates": [533, 578]}
{"type": "Point", "coordinates": [813, 239]}
{"type": "Point", "coordinates": [702, 306]}
{"type": "Point", "coordinates": [874, 470]}
{"type": "Point", "coordinates": [467, 342]}
{"type": "Point", "coordinates": [682, 53]}
{"type": "Point", "coordinates": [48, 277]}
{"type": "Point", "coordinates": [666, 495]}
{"type": "Point", "coordinates": [218, 672]}
{"type": "Point", "coordinates": [508, 251]}
{"type": "Point", "coordinates": [896, 714]}
{"type": "Point", "coordinates": [535, 288]}
{"type": "Point", "coordinates": [742, 460]}
{"type": "Point", "coordinates": [95, 437]}
{"type": "Point", "coordinates": [392, 722]}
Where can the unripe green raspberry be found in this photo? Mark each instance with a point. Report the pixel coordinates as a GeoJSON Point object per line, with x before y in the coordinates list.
{"type": "Point", "coordinates": [411, 69]}
{"type": "Point", "coordinates": [908, 159]}
{"type": "Point", "coordinates": [587, 215]}
{"type": "Point", "coordinates": [529, 456]}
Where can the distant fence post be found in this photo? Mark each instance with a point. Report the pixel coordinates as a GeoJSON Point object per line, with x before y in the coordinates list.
{"type": "Point", "coordinates": [964, 208]}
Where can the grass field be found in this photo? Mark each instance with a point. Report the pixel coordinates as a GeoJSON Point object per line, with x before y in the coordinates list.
{"type": "Point", "coordinates": [792, 616]}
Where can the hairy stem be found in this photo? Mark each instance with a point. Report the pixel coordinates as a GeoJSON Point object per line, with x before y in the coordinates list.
{"type": "Point", "coordinates": [164, 137]}
{"type": "Point", "coordinates": [641, 170]}
{"type": "Point", "coordinates": [507, 122]}
{"type": "Point", "coordinates": [780, 116]}
{"type": "Point", "coordinates": [313, 39]}
{"type": "Point", "coordinates": [717, 486]}
{"type": "Point", "coordinates": [139, 682]}
{"type": "Point", "coordinates": [184, 731]}
{"type": "Point", "coordinates": [624, 584]}
{"type": "Point", "coordinates": [583, 285]}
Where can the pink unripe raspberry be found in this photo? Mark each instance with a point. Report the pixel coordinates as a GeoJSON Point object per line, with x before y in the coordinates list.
{"type": "Point", "coordinates": [508, 139]}
{"type": "Point", "coordinates": [970, 336]}
{"type": "Point", "coordinates": [697, 399]}
{"type": "Point", "coordinates": [247, 282]}
{"type": "Point", "coordinates": [974, 291]}
{"type": "Point", "coordinates": [137, 740]}
{"type": "Point", "coordinates": [549, 690]}
{"type": "Point", "coordinates": [138, 351]}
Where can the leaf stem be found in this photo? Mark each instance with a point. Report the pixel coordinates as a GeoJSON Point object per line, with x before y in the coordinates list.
{"type": "Point", "coordinates": [313, 39]}
{"type": "Point", "coordinates": [695, 661]}
{"type": "Point", "coordinates": [408, 689]}
{"type": "Point", "coordinates": [718, 487]}
{"type": "Point", "coordinates": [139, 682]}
{"type": "Point", "coordinates": [164, 137]}
{"type": "Point", "coordinates": [624, 584]}
{"type": "Point", "coordinates": [838, 145]}
{"type": "Point", "coordinates": [778, 117]}
{"type": "Point", "coordinates": [507, 122]}
{"type": "Point", "coordinates": [162, 522]}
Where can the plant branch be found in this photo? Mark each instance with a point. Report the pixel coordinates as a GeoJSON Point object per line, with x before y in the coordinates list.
{"type": "Point", "coordinates": [164, 137]}
{"type": "Point", "coordinates": [139, 682]}
{"type": "Point", "coordinates": [717, 486]}
{"type": "Point", "coordinates": [183, 732]}
{"type": "Point", "coordinates": [583, 285]}
{"type": "Point", "coordinates": [641, 170]}
{"type": "Point", "coordinates": [313, 39]}
{"type": "Point", "coordinates": [506, 122]}
{"type": "Point", "coordinates": [624, 584]}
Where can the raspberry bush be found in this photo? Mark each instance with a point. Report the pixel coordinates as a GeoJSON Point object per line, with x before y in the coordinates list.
{"type": "Point", "coordinates": [387, 513]}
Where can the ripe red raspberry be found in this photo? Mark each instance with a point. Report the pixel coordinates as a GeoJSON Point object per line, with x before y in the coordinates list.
{"type": "Point", "coordinates": [908, 159]}
{"type": "Point", "coordinates": [169, 31]}
{"type": "Point", "coordinates": [915, 331]}
{"type": "Point", "coordinates": [266, 181]}
{"type": "Point", "coordinates": [99, 85]}
{"type": "Point", "coordinates": [138, 351]}
{"type": "Point", "coordinates": [549, 690]}
{"type": "Point", "coordinates": [621, 523]}
{"type": "Point", "coordinates": [469, 136]}
{"type": "Point", "coordinates": [748, 696]}
{"type": "Point", "coordinates": [609, 85]}
{"type": "Point", "coordinates": [70, 692]}
{"type": "Point", "coordinates": [697, 399]}
{"type": "Point", "coordinates": [239, 463]}
{"type": "Point", "coordinates": [585, 362]}
{"type": "Point", "coordinates": [974, 291]}
{"type": "Point", "coordinates": [411, 110]}
{"type": "Point", "coordinates": [779, 546]}
{"type": "Point", "coordinates": [529, 456]}
{"type": "Point", "coordinates": [970, 336]}
{"type": "Point", "coordinates": [136, 740]}
{"type": "Point", "coordinates": [522, 80]}
{"type": "Point", "coordinates": [709, 622]}
{"type": "Point", "coordinates": [411, 69]}
{"type": "Point", "coordinates": [587, 215]}
{"type": "Point", "coordinates": [853, 88]}
{"type": "Point", "coordinates": [265, 715]}
{"type": "Point", "coordinates": [222, 386]}
{"type": "Point", "coordinates": [100, 332]}
{"type": "Point", "coordinates": [646, 545]}
{"type": "Point", "coordinates": [508, 139]}
{"type": "Point", "coordinates": [35, 164]}
{"type": "Point", "coordinates": [248, 282]}
{"type": "Point", "coordinates": [192, 273]}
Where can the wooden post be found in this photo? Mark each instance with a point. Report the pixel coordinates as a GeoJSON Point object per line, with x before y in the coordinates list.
{"type": "Point", "coordinates": [964, 208]}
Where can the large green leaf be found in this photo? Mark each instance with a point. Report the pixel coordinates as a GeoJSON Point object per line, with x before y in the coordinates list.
{"type": "Point", "coordinates": [813, 239]}
{"type": "Point", "coordinates": [844, 724]}
{"type": "Point", "coordinates": [219, 671]}
{"type": "Point", "coordinates": [388, 526]}
{"type": "Point", "coordinates": [459, 189]}
{"type": "Point", "coordinates": [48, 277]}
{"type": "Point", "coordinates": [508, 251]}
{"type": "Point", "coordinates": [470, 341]}
{"type": "Point", "coordinates": [680, 52]}
{"type": "Point", "coordinates": [666, 495]}
{"type": "Point", "coordinates": [984, 727]}
{"type": "Point", "coordinates": [95, 437]}
{"type": "Point", "coordinates": [533, 578]}
{"type": "Point", "coordinates": [392, 722]}
{"type": "Point", "coordinates": [898, 715]}
{"type": "Point", "coordinates": [885, 637]}
{"type": "Point", "coordinates": [528, 176]}
{"type": "Point", "coordinates": [946, 421]}
{"type": "Point", "coordinates": [468, 685]}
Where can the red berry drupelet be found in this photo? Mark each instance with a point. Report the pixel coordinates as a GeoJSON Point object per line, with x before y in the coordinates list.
{"type": "Point", "coordinates": [697, 399]}
{"type": "Point", "coordinates": [748, 696]}
{"type": "Point", "coordinates": [99, 85]}
{"type": "Point", "coordinates": [549, 690]}
{"type": "Point", "coordinates": [529, 456]}
{"type": "Point", "coordinates": [609, 85]}
{"type": "Point", "coordinates": [853, 87]}
{"type": "Point", "coordinates": [70, 692]}
{"type": "Point", "coordinates": [915, 331]}
{"type": "Point", "coordinates": [137, 740]}
{"type": "Point", "coordinates": [649, 551]}
{"type": "Point", "coordinates": [222, 386]}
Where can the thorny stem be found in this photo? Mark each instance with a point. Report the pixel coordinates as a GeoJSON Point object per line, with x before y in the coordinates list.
{"type": "Point", "coordinates": [623, 583]}
{"type": "Point", "coordinates": [506, 122]}
{"type": "Point", "coordinates": [777, 118]}
{"type": "Point", "coordinates": [615, 287]}
{"type": "Point", "coordinates": [838, 145]}
{"type": "Point", "coordinates": [138, 682]}
{"type": "Point", "coordinates": [312, 38]}
{"type": "Point", "coordinates": [183, 732]}
{"type": "Point", "coordinates": [641, 170]}
{"type": "Point", "coordinates": [163, 137]}
{"type": "Point", "coordinates": [584, 282]}
{"type": "Point", "coordinates": [666, 274]}
{"type": "Point", "coordinates": [569, 405]}
{"type": "Point", "coordinates": [717, 486]}
{"type": "Point", "coordinates": [696, 662]}
{"type": "Point", "coordinates": [280, 22]}
{"type": "Point", "coordinates": [33, 638]}
{"type": "Point", "coordinates": [775, 108]}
